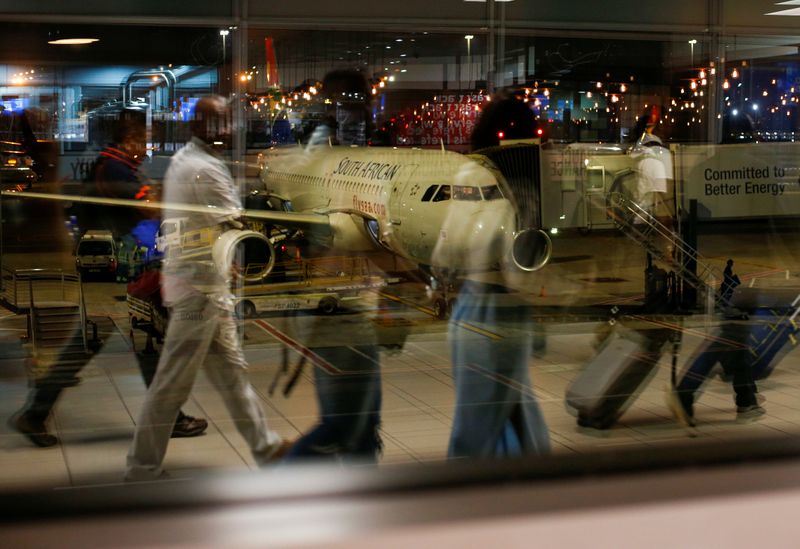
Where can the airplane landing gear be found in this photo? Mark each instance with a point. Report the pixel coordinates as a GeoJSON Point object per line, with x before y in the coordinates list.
{"type": "Point", "coordinates": [443, 287]}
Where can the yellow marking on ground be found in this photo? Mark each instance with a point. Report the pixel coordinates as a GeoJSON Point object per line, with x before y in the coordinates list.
{"type": "Point", "coordinates": [429, 311]}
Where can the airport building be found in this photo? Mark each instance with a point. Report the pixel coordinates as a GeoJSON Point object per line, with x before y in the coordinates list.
{"type": "Point", "coordinates": [351, 274]}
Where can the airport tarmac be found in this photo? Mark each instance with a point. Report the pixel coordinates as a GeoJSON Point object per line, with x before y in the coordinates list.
{"type": "Point", "coordinates": [571, 300]}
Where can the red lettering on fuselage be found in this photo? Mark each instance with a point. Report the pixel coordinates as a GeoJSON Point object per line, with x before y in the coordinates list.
{"type": "Point", "coordinates": [368, 207]}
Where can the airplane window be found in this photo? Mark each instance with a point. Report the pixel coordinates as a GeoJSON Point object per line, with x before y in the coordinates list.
{"type": "Point", "coordinates": [443, 194]}
{"type": "Point", "coordinates": [429, 193]}
{"type": "Point", "coordinates": [491, 192]}
{"type": "Point", "coordinates": [464, 192]}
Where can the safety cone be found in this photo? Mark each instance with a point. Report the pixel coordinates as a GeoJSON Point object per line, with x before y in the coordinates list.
{"type": "Point", "coordinates": [297, 254]}
{"type": "Point", "coordinates": [542, 293]}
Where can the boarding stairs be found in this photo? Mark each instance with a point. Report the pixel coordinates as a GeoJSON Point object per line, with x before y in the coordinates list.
{"type": "Point", "coordinates": [644, 228]}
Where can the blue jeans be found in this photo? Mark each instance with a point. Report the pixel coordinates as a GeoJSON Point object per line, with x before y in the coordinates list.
{"type": "Point", "coordinates": [735, 361]}
{"type": "Point", "coordinates": [496, 410]}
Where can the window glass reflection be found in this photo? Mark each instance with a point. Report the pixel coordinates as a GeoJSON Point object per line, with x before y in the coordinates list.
{"type": "Point", "coordinates": [615, 267]}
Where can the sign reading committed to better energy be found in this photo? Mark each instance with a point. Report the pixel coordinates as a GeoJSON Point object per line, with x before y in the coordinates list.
{"type": "Point", "coordinates": [748, 180]}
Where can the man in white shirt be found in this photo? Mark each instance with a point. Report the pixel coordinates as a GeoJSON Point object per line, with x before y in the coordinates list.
{"type": "Point", "coordinates": [201, 329]}
{"type": "Point", "coordinates": [653, 168]}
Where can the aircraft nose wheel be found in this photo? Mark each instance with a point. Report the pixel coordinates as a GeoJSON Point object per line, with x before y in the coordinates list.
{"type": "Point", "coordinates": [440, 308]}
{"type": "Point", "coordinates": [443, 308]}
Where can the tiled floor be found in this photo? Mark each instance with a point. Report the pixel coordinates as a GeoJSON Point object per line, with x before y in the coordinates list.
{"type": "Point", "coordinates": [95, 419]}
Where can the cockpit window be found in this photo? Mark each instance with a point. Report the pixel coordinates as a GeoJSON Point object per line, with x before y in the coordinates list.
{"type": "Point", "coordinates": [491, 192]}
{"type": "Point", "coordinates": [429, 193]}
{"type": "Point", "coordinates": [443, 194]}
{"type": "Point", "coordinates": [464, 192]}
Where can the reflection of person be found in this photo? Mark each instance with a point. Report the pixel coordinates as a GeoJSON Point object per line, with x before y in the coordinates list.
{"type": "Point", "coordinates": [653, 166]}
{"type": "Point", "coordinates": [730, 349]}
{"type": "Point", "coordinates": [729, 282]}
{"type": "Point", "coordinates": [496, 412]}
{"type": "Point", "coordinates": [346, 376]}
{"type": "Point", "coordinates": [201, 329]}
{"type": "Point", "coordinates": [116, 176]}
{"type": "Point", "coordinates": [347, 116]}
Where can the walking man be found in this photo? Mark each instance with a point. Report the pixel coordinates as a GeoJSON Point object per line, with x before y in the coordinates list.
{"type": "Point", "coordinates": [201, 329]}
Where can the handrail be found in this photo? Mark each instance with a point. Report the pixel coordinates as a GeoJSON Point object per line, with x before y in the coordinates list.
{"type": "Point", "coordinates": [626, 212]}
{"type": "Point", "coordinates": [13, 293]}
{"type": "Point", "coordinates": [82, 308]}
{"type": "Point", "coordinates": [33, 275]}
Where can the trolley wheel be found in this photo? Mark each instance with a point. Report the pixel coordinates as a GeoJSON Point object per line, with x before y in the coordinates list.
{"type": "Point", "coordinates": [328, 305]}
{"type": "Point", "coordinates": [246, 309]}
{"type": "Point", "coordinates": [440, 308]}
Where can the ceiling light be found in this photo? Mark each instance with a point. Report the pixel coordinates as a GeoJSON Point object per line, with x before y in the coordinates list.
{"type": "Point", "coordinates": [72, 41]}
{"type": "Point", "coordinates": [791, 12]}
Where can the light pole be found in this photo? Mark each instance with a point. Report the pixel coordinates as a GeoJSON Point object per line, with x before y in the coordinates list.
{"type": "Point", "coordinates": [224, 34]}
{"type": "Point", "coordinates": [469, 38]}
{"type": "Point", "coordinates": [692, 42]}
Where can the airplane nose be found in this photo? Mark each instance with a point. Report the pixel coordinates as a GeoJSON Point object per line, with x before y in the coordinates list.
{"type": "Point", "coordinates": [490, 234]}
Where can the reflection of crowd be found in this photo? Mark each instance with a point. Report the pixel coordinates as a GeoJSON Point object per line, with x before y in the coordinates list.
{"type": "Point", "coordinates": [496, 410]}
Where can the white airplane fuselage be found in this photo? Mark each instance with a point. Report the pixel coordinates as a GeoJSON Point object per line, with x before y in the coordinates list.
{"type": "Point", "coordinates": [435, 208]}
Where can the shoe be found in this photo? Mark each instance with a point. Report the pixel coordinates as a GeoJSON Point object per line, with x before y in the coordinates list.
{"type": "Point", "coordinates": [680, 412]}
{"type": "Point", "coordinates": [188, 426]}
{"type": "Point", "coordinates": [35, 430]}
{"type": "Point", "coordinates": [748, 413]}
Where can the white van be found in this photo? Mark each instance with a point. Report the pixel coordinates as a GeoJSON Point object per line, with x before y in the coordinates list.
{"type": "Point", "coordinates": [97, 254]}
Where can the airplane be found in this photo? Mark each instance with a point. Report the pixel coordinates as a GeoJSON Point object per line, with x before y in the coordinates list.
{"type": "Point", "coordinates": [449, 213]}
{"type": "Point", "coordinates": [442, 210]}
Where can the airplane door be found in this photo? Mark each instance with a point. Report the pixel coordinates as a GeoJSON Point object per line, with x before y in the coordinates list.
{"type": "Point", "coordinates": [403, 213]}
{"type": "Point", "coordinates": [419, 221]}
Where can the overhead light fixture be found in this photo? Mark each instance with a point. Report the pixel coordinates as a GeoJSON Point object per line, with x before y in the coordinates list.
{"type": "Point", "coordinates": [72, 41]}
{"type": "Point", "coordinates": [789, 12]}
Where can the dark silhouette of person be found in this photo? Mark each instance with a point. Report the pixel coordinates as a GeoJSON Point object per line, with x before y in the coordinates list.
{"type": "Point", "coordinates": [347, 119]}
{"type": "Point", "coordinates": [729, 348]}
{"type": "Point", "coordinates": [349, 388]}
{"type": "Point", "coordinates": [730, 281]}
{"type": "Point", "coordinates": [115, 176]}
{"type": "Point", "coordinates": [504, 115]}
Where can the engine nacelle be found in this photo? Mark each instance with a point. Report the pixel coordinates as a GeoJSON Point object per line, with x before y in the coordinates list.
{"type": "Point", "coordinates": [349, 233]}
{"type": "Point", "coordinates": [250, 249]}
{"type": "Point", "coordinates": [531, 249]}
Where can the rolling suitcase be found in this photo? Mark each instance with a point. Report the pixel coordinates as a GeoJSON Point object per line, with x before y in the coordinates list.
{"type": "Point", "coordinates": [610, 382]}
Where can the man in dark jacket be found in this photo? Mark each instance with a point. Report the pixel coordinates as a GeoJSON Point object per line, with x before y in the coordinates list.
{"type": "Point", "coordinates": [116, 175]}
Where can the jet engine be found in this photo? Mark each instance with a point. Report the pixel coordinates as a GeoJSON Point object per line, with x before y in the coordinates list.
{"type": "Point", "coordinates": [531, 249]}
{"type": "Point", "coordinates": [251, 250]}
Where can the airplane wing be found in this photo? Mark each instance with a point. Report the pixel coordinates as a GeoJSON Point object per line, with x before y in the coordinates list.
{"type": "Point", "coordinates": [303, 221]}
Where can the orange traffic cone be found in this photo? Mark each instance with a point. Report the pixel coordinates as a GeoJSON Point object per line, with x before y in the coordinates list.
{"type": "Point", "coordinates": [542, 293]}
